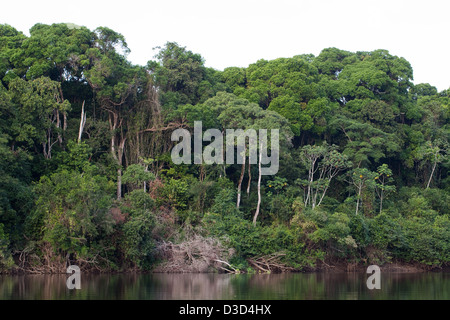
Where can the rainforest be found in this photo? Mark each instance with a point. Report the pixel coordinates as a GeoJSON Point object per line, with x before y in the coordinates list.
{"type": "Point", "coordinates": [87, 178]}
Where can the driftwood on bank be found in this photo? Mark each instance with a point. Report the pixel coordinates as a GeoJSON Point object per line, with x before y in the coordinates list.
{"type": "Point", "coordinates": [270, 263]}
{"type": "Point", "coordinates": [195, 254]}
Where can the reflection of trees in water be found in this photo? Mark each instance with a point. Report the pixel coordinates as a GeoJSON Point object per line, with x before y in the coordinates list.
{"type": "Point", "coordinates": [304, 286]}
{"type": "Point", "coordinates": [341, 286]}
{"type": "Point", "coordinates": [117, 287]}
{"type": "Point", "coordinates": [193, 286]}
{"type": "Point", "coordinates": [33, 287]}
{"type": "Point", "coordinates": [284, 286]}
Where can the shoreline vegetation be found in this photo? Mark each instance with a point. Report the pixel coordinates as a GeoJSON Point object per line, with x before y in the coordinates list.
{"type": "Point", "coordinates": [270, 268]}
{"type": "Point", "coordinates": [87, 176]}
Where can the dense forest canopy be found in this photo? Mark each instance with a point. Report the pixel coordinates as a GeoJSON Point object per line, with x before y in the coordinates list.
{"type": "Point", "coordinates": [87, 177]}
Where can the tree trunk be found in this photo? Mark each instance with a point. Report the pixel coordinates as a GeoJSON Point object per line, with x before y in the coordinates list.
{"type": "Point", "coordinates": [120, 152]}
{"type": "Point", "coordinates": [58, 125]}
{"type": "Point", "coordinates": [47, 146]}
{"type": "Point", "coordinates": [145, 182]}
{"type": "Point", "coordinates": [82, 123]}
{"type": "Point", "coordinates": [357, 201]}
{"type": "Point", "coordinates": [381, 200]}
{"type": "Point", "coordinates": [117, 153]}
{"type": "Point", "coordinates": [431, 175]}
{"type": "Point", "coordinates": [65, 121]}
{"type": "Point", "coordinates": [240, 182]}
{"type": "Point", "coordinates": [249, 178]}
{"type": "Point", "coordinates": [119, 184]}
{"type": "Point", "coordinates": [323, 193]}
{"type": "Point", "coordinates": [259, 188]}
{"type": "Point", "coordinates": [310, 183]}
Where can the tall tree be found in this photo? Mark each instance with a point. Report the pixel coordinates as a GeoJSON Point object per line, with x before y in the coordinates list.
{"type": "Point", "coordinates": [34, 113]}
{"type": "Point", "coordinates": [10, 43]}
{"type": "Point", "coordinates": [323, 162]}
{"type": "Point", "coordinates": [178, 72]}
{"type": "Point", "coordinates": [383, 189]}
{"type": "Point", "coordinates": [116, 84]}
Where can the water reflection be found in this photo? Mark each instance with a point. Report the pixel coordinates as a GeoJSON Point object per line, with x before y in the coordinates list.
{"type": "Point", "coordinates": [310, 286]}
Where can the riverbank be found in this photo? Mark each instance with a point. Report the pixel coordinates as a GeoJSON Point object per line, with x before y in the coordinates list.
{"type": "Point", "coordinates": [393, 267]}
{"type": "Point", "coordinates": [321, 267]}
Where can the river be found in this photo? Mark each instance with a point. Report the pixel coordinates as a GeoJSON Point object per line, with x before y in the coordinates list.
{"type": "Point", "coordinates": [289, 286]}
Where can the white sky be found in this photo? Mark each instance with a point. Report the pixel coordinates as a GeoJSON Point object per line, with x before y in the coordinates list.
{"type": "Point", "coordinates": [239, 32]}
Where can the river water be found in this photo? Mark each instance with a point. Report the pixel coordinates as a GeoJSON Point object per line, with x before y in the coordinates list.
{"type": "Point", "coordinates": [293, 286]}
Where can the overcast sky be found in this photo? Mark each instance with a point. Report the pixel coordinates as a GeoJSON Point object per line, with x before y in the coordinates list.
{"type": "Point", "coordinates": [240, 32]}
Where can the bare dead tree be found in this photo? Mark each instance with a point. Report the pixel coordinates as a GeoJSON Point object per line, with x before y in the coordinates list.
{"type": "Point", "coordinates": [82, 122]}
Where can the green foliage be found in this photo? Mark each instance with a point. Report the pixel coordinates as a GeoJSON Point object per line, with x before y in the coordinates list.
{"type": "Point", "coordinates": [71, 210]}
{"type": "Point", "coordinates": [224, 203]}
{"type": "Point", "coordinates": [76, 158]}
{"type": "Point", "coordinates": [48, 49]}
{"type": "Point", "coordinates": [423, 89]}
{"type": "Point", "coordinates": [386, 234]}
{"type": "Point", "coordinates": [427, 242]}
{"type": "Point", "coordinates": [10, 42]}
{"type": "Point", "coordinates": [336, 234]}
{"type": "Point", "coordinates": [420, 234]}
{"type": "Point", "coordinates": [250, 241]}
{"type": "Point", "coordinates": [277, 184]}
{"type": "Point", "coordinates": [182, 76]}
{"type": "Point", "coordinates": [174, 193]}
{"type": "Point", "coordinates": [381, 185]}
{"type": "Point", "coordinates": [202, 194]}
{"type": "Point", "coordinates": [6, 260]}
{"type": "Point", "coordinates": [33, 111]}
{"type": "Point", "coordinates": [138, 240]}
{"type": "Point", "coordinates": [16, 196]}
{"type": "Point", "coordinates": [364, 142]}
{"type": "Point", "coordinates": [136, 175]}
{"type": "Point", "coordinates": [280, 207]}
